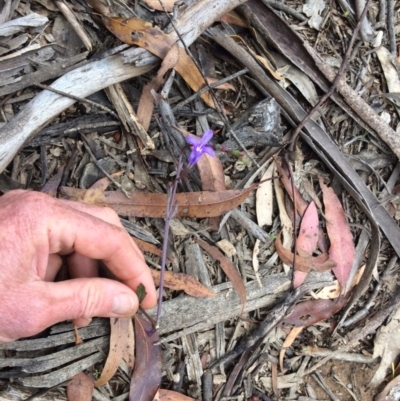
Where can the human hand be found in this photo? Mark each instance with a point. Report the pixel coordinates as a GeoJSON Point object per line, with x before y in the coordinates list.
{"type": "Point", "coordinates": [35, 230]}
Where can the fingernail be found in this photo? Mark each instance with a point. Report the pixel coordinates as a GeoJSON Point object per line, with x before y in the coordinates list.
{"type": "Point", "coordinates": [123, 304]}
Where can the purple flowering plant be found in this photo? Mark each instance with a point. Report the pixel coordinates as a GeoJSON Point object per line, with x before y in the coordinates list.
{"type": "Point", "coordinates": [200, 146]}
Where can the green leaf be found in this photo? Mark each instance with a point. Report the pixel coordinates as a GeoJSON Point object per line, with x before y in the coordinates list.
{"type": "Point", "coordinates": [141, 292]}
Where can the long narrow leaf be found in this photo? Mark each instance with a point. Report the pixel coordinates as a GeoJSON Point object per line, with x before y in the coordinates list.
{"type": "Point", "coordinates": [342, 249]}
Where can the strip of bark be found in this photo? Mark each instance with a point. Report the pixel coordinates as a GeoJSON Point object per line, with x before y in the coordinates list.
{"type": "Point", "coordinates": [360, 107]}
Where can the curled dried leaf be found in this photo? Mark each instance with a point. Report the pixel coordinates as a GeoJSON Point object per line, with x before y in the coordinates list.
{"type": "Point", "coordinates": [310, 312]}
{"type": "Point", "coordinates": [182, 282]}
{"type": "Point", "coordinates": [304, 263]}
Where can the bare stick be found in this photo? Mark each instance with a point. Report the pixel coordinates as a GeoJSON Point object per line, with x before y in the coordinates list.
{"type": "Point", "coordinates": [339, 75]}
{"type": "Point", "coordinates": [213, 85]}
{"type": "Point", "coordinates": [77, 98]}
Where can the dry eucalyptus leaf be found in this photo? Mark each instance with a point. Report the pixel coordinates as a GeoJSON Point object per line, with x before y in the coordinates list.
{"type": "Point", "coordinates": [146, 204]}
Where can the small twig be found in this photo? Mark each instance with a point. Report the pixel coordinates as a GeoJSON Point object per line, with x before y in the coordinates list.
{"type": "Point", "coordinates": [294, 211]}
{"type": "Point", "coordinates": [286, 9]}
{"type": "Point", "coordinates": [390, 27]}
{"type": "Point", "coordinates": [382, 14]}
{"type": "Point", "coordinates": [339, 75]}
{"type": "Point", "coordinates": [148, 317]}
{"type": "Point", "coordinates": [172, 208]}
{"type": "Point", "coordinates": [213, 85]}
{"type": "Point", "coordinates": [77, 98]}
{"type": "Point", "coordinates": [100, 167]}
{"type": "Point", "coordinates": [319, 379]}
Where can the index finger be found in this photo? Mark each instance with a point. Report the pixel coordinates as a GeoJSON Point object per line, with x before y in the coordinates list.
{"type": "Point", "coordinates": [89, 235]}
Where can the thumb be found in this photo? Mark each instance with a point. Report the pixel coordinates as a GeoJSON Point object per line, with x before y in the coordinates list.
{"type": "Point", "coordinates": [91, 297]}
{"type": "Point", "coordinates": [28, 309]}
{"type": "Point", "coordinates": [77, 299]}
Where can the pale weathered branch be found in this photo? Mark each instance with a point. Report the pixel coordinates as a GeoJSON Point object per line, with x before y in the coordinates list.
{"type": "Point", "coordinates": [97, 75]}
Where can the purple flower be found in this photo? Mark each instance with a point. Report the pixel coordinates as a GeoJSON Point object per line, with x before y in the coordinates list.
{"type": "Point", "coordinates": [200, 147]}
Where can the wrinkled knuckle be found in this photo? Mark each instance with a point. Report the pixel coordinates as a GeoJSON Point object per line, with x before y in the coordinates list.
{"type": "Point", "coordinates": [92, 302]}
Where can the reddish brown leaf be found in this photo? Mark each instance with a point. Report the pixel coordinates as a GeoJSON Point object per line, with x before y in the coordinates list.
{"type": "Point", "coordinates": [342, 247]}
{"type": "Point", "coordinates": [310, 312]}
{"type": "Point", "coordinates": [141, 204]}
{"type": "Point", "coordinates": [307, 239]}
{"type": "Point", "coordinates": [304, 263]}
{"type": "Point", "coordinates": [182, 282]}
{"type": "Point", "coordinates": [80, 388]}
{"type": "Point", "coordinates": [146, 247]}
{"type": "Point", "coordinates": [135, 31]}
{"type": "Point", "coordinates": [146, 377]}
{"type": "Point", "coordinates": [121, 345]}
{"type": "Point", "coordinates": [228, 267]}
{"type": "Point", "coordinates": [298, 278]}
{"type": "Point", "coordinates": [168, 395]}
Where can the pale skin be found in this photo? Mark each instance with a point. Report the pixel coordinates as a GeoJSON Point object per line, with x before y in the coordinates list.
{"type": "Point", "coordinates": [35, 231]}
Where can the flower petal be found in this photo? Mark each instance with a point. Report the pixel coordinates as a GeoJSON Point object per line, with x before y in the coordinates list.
{"type": "Point", "coordinates": [209, 150]}
{"type": "Point", "coordinates": [206, 137]}
{"type": "Point", "coordinates": [193, 140]}
{"type": "Point", "coordinates": [194, 157]}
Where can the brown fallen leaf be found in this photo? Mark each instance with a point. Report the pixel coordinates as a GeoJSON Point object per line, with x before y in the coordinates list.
{"type": "Point", "coordinates": [182, 282]}
{"type": "Point", "coordinates": [146, 101]}
{"type": "Point", "coordinates": [146, 247]}
{"type": "Point", "coordinates": [80, 388]}
{"type": "Point", "coordinates": [121, 346]}
{"type": "Point", "coordinates": [146, 377]}
{"type": "Point", "coordinates": [168, 395]}
{"type": "Point", "coordinates": [310, 312]}
{"type": "Point", "coordinates": [135, 31]}
{"type": "Point", "coordinates": [307, 239]}
{"type": "Point", "coordinates": [342, 248]}
{"type": "Point", "coordinates": [304, 263]}
{"type": "Point", "coordinates": [144, 204]}
{"type": "Point", "coordinates": [287, 343]}
{"type": "Point", "coordinates": [228, 267]}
